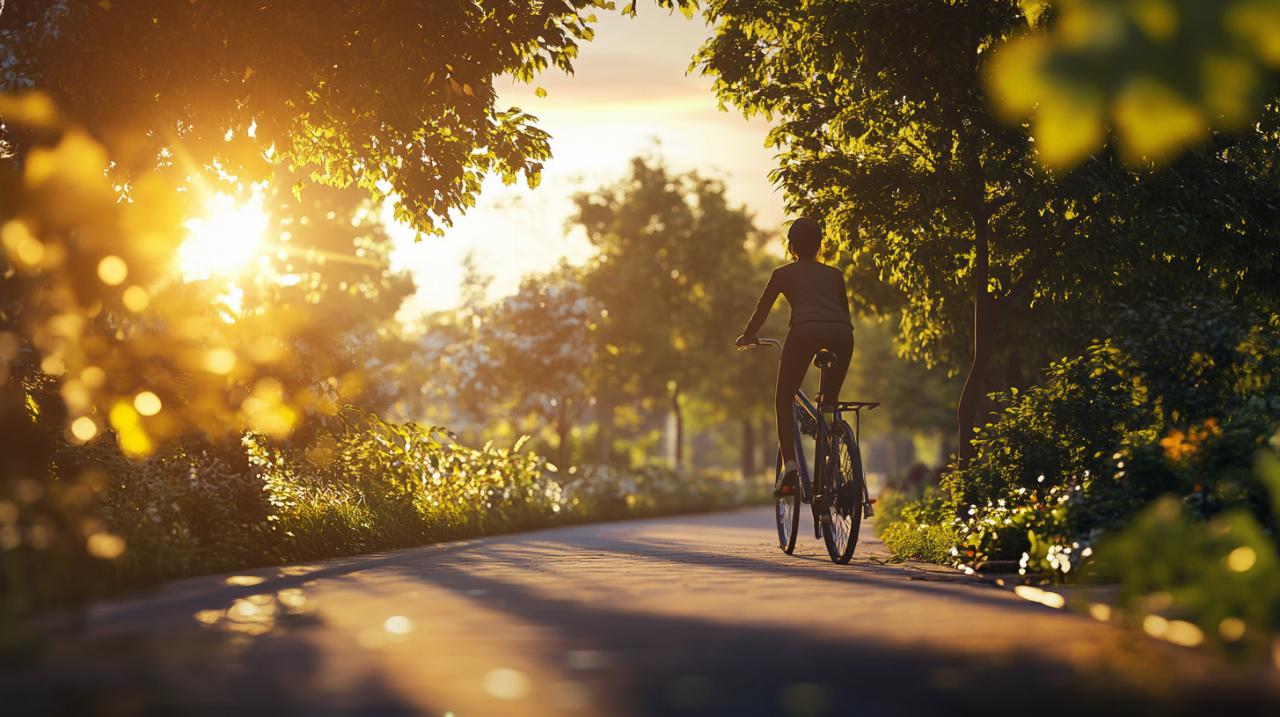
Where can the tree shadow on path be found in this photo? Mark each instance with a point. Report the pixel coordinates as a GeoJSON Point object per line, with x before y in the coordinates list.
{"type": "Point", "coordinates": [148, 656]}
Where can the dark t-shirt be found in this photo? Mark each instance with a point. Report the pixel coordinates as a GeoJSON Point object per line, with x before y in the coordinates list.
{"type": "Point", "coordinates": [815, 291]}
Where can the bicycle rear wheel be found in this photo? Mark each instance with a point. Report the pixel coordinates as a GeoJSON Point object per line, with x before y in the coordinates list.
{"type": "Point", "coordinates": [848, 495]}
{"type": "Point", "coordinates": [786, 513]}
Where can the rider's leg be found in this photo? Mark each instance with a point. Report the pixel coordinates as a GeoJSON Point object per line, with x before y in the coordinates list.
{"type": "Point", "coordinates": [797, 351]}
{"type": "Point", "coordinates": [837, 339]}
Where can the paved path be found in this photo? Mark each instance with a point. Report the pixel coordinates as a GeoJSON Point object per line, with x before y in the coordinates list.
{"type": "Point", "coordinates": [687, 615]}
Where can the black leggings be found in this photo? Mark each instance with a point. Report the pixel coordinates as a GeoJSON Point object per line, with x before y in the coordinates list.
{"type": "Point", "coordinates": [802, 344]}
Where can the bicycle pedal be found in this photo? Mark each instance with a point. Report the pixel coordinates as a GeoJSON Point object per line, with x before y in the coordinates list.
{"type": "Point", "coordinates": [868, 510]}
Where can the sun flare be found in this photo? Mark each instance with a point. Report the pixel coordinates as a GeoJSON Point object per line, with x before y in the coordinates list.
{"type": "Point", "coordinates": [225, 240]}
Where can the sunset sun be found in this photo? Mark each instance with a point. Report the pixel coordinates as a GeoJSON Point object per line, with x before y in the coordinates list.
{"type": "Point", "coordinates": [225, 239]}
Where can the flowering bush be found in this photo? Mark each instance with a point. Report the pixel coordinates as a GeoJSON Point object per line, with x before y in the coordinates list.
{"type": "Point", "coordinates": [1116, 469]}
{"type": "Point", "coordinates": [1179, 410]}
{"type": "Point", "coordinates": [1055, 435]}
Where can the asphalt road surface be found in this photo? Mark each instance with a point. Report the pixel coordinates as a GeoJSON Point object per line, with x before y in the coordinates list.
{"type": "Point", "coordinates": [677, 616]}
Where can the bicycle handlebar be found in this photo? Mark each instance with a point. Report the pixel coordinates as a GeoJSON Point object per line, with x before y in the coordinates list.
{"type": "Point", "coordinates": [759, 343]}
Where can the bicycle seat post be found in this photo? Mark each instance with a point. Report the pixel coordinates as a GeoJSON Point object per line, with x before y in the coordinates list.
{"type": "Point", "coordinates": [824, 360]}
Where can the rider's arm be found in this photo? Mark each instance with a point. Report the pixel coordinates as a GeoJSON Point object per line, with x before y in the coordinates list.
{"type": "Point", "coordinates": [844, 294]}
{"type": "Point", "coordinates": [770, 295]}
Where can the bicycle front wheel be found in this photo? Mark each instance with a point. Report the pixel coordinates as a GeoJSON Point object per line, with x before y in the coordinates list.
{"type": "Point", "coordinates": [848, 495]}
{"type": "Point", "coordinates": [786, 512]}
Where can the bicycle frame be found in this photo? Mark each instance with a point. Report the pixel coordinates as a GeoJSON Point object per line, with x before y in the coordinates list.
{"type": "Point", "coordinates": [804, 412]}
{"type": "Point", "coordinates": [807, 414]}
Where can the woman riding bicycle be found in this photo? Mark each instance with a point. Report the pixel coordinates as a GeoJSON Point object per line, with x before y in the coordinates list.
{"type": "Point", "coordinates": [819, 320]}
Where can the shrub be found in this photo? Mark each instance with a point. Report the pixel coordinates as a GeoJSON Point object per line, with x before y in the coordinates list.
{"type": "Point", "coordinates": [1219, 577]}
{"type": "Point", "coordinates": [372, 485]}
{"type": "Point", "coordinates": [361, 484]}
{"type": "Point", "coordinates": [1177, 404]}
{"type": "Point", "coordinates": [932, 543]}
{"type": "Point", "coordinates": [920, 528]}
{"type": "Point", "coordinates": [1056, 434]}
{"type": "Point", "coordinates": [193, 506]}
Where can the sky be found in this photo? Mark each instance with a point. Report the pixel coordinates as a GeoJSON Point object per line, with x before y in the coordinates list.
{"type": "Point", "coordinates": [630, 94]}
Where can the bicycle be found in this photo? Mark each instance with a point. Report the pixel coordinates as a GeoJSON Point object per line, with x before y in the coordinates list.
{"type": "Point", "coordinates": [837, 468]}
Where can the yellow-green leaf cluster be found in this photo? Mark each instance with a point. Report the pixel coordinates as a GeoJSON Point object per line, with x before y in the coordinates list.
{"type": "Point", "coordinates": [1160, 74]}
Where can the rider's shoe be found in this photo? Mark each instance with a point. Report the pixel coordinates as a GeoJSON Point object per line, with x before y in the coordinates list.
{"type": "Point", "coordinates": [787, 480]}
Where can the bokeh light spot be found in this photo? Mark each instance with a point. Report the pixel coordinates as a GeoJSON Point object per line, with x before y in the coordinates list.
{"type": "Point", "coordinates": [397, 625]}
{"type": "Point", "coordinates": [136, 299]}
{"type": "Point", "coordinates": [1241, 559]}
{"type": "Point", "coordinates": [244, 580]}
{"type": "Point", "coordinates": [112, 270]}
{"type": "Point", "coordinates": [93, 376]}
{"type": "Point", "coordinates": [220, 361]}
{"type": "Point", "coordinates": [1037, 595]}
{"type": "Point", "coordinates": [292, 598]}
{"type": "Point", "coordinates": [505, 683]}
{"type": "Point", "coordinates": [22, 247]}
{"type": "Point", "coordinates": [147, 403]}
{"type": "Point", "coordinates": [1231, 629]}
{"type": "Point", "coordinates": [105, 545]}
{"type": "Point", "coordinates": [84, 429]}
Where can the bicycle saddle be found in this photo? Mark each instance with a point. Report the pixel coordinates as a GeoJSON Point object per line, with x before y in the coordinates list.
{"type": "Point", "coordinates": [824, 359]}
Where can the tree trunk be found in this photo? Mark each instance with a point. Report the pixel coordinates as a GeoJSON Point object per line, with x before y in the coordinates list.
{"type": "Point", "coordinates": [984, 320]}
{"type": "Point", "coordinates": [748, 448]}
{"type": "Point", "coordinates": [677, 457]}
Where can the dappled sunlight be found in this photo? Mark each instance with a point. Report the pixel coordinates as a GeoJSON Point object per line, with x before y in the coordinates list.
{"type": "Point", "coordinates": [1048, 598]}
{"type": "Point", "coordinates": [258, 614]}
{"type": "Point", "coordinates": [394, 629]}
{"type": "Point", "coordinates": [244, 580]}
{"type": "Point", "coordinates": [505, 683]}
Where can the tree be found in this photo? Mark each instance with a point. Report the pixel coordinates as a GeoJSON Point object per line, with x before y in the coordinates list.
{"type": "Point", "coordinates": [669, 245]}
{"type": "Point", "coordinates": [884, 129]}
{"type": "Point", "coordinates": [397, 97]}
{"type": "Point", "coordinates": [150, 101]}
{"type": "Point", "coordinates": [328, 251]}
{"type": "Point", "coordinates": [915, 399]}
{"type": "Point", "coordinates": [530, 354]}
{"type": "Point", "coordinates": [119, 121]}
{"type": "Point", "coordinates": [739, 387]}
{"type": "Point", "coordinates": [178, 98]}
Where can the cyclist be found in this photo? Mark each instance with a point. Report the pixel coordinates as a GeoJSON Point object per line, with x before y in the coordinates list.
{"type": "Point", "coordinates": [819, 319]}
